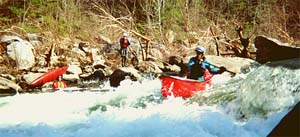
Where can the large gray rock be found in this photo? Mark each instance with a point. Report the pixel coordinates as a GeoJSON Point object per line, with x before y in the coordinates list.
{"type": "Point", "coordinates": [234, 64]}
{"type": "Point", "coordinates": [20, 51]}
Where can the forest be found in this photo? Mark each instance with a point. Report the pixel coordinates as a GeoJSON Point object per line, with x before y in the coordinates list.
{"type": "Point", "coordinates": [82, 19]}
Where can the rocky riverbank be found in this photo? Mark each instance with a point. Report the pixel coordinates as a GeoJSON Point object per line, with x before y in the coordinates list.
{"type": "Point", "coordinates": [23, 59]}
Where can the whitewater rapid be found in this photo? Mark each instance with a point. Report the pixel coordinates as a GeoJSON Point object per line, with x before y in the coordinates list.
{"type": "Point", "coordinates": [242, 106]}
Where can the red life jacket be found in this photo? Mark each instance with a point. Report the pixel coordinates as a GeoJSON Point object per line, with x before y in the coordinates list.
{"type": "Point", "coordinates": [59, 84]}
{"type": "Point", "coordinates": [124, 42]}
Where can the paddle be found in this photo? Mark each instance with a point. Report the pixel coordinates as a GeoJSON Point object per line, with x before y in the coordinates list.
{"type": "Point", "coordinates": [177, 74]}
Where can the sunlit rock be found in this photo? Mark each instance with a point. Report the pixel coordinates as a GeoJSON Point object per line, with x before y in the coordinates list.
{"type": "Point", "coordinates": [8, 84]}
{"type": "Point", "coordinates": [20, 51]}
{"type": "Point", "coordinates": [234, 64]}
{"type": "Point", "coordinates": [71, 77]}
{"type": "Point", "coordinates": [74, 69]}
{"type": "Point", "coordinates": [31, 76]}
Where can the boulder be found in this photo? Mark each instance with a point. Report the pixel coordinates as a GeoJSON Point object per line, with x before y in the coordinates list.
{"type": "Point", "coordinates": [120, 74]}
{"type": "Point", "coordinates": [74, 69]}
{"type": "Point", "coordinates": [234, 64]}
{"type": "Point", "coordinates": [6, 85]}
{"type": "Point", "coordinates": [289, 125]}
{"type": "Point", "coordinates": [97, 75]}
{"type": "Point", "coordinates": [269, 49]}
{"type": "Point", "coordinates": [21, 51]}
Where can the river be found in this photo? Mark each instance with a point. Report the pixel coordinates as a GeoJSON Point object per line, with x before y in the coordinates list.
{"type": "Point", "coordinates": [248, 105]}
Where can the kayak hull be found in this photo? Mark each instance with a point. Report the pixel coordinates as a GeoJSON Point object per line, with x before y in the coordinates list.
{"type": "Point", "coordinates": [49, 76]}
{"type": "Point", "coordinates": [182, 87]}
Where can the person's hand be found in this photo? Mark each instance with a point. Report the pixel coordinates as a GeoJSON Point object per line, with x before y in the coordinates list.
{"type": "Point", "coordinates": [222, 69]}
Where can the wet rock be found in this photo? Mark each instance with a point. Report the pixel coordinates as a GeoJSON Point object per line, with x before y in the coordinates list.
{"type": "Point", "coordinates": [97, 75]}
{"type": "Point", "coordinates": [120, 74]}
{"type": "Point", "coordinates": [116, 77]}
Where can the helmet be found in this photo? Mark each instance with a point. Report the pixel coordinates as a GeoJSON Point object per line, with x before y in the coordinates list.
{"type": "Point", "coordinates": [200, 49]}
{"type": "Point", "coordinates": [125, 34]}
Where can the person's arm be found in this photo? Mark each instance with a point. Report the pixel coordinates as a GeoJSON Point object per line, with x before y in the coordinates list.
{"type": "Point", "coordinates": [128, 41]}
{"type": "Point", "coordinates": [212, 69]}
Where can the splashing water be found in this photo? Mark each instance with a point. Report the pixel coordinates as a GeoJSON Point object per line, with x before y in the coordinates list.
{"type": "Point", "coordinates": [249, 105]}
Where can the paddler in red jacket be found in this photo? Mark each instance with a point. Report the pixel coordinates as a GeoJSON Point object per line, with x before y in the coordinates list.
{"type": "Point", "coordinates": [59, 83]}
{"type": "Point", "coordinates": [124, 43]}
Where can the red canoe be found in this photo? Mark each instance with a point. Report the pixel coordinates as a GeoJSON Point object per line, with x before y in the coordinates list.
{"type": "Point", "coordinates": [49, 76]}
{"type": "Point", "coordinates": [182, 87]}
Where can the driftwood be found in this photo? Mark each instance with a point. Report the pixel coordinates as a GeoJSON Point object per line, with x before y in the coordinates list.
{"type": "Point", "coordinates": [216, 40]}
{"type": "Point", "coordinates": [245, 42]}
{"type": "Point", "coordinates": [147, 42]}
{"type": "Point", "coordinates": [49, 55]}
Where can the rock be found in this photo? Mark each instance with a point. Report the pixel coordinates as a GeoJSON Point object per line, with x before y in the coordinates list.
{"type": "Point", "coordinates": [149, 66]}
{"type": "Point", "coordinates": [120, 74]}
{"type": "Point", "coordinates": [10, 39]}
{"type": "Point", "coordinates": [133, 73]}
{"type": "Point", "coordinates": [70, 77]}
{"type": "Point", "coordinates": [175, 60]}
{"type": "Point", "coordinates": [289, 125]}
{"type": "Point", "coordinates": [97, 75]}
{"type": "Point", "coordinates": [21, 51]}
{"type": "Point", "coordinates": [31, 76]}
{"type": "Point", "coordinates": [8, 76]}
{"type": "Point", "coordinates": [98, 59]}
{"type": "Point", "coordinates": [79, 52]}
{"type": "Point", "coordinates": [74, 69]}
{"type": "Point", "coordinates": [269, 49]}
{"type": "Point", "coordinates": [8, 84]}
{"type": "Point", "coordinates": [156, 54]}
{"type": "Point", "coordinates": [116, 77]}
{"type": "Point", "coordinates": [234, 64]}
